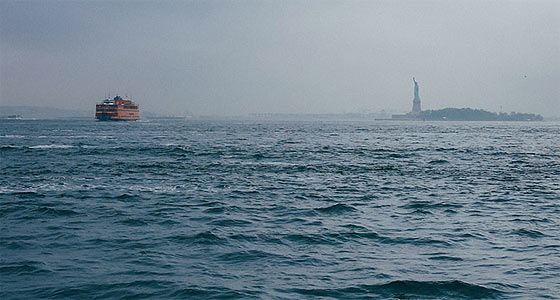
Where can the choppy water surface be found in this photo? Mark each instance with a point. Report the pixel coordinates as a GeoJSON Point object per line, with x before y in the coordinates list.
{"type": "Point", "coordinates": [279, 210]}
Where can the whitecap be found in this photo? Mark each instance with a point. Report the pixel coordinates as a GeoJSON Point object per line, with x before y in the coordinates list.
{"type": "Point", "coordinates": [51, 146]}
{"type": "Point", "coordinates": [6, 190]}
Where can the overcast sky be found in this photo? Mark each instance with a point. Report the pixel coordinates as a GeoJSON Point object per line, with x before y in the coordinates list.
{"type": "Point", "coordinates": [237, 57]}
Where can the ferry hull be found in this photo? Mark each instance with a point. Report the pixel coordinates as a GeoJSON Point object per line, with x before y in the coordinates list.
{"type": "Point", "coordinates": [112, 118]}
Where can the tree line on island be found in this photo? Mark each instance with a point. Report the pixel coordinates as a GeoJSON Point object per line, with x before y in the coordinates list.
{"type": "Point", "coordinates": [469, 114]}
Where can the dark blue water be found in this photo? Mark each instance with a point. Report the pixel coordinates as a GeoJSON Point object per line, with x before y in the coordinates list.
{"type": "Point", "coordinates": [279, 210]}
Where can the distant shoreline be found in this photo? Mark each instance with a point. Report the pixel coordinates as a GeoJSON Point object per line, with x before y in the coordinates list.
{"type": "Point", "coordinates": [47, 113]}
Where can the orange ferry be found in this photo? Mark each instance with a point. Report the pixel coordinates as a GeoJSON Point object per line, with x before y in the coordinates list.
{"type": "Point", "coordinates": [117, 109]}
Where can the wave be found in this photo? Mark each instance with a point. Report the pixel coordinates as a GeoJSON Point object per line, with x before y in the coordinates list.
{"type": "Point", "coordinates": [250, 255]}
{"type": "Point", "coordinates": [9, 147]}
{"type": "Point", "coordinates": [138, 289]}
{"type": "Point", "coordinates": [56, 212]}
{"type": "Point", "coordinates": [22, 193]}
{"type": "Point", "coordinates": [231, 223]}
{"type": "Point", "coordinates": [438, 162]}
{"type": "Point", "coordinates": [203, 238]}
{"type": "Point", "coordinates": [312, 239]}
{"type": "Point", "coordinates": [22, 268]}
{"type": "Point", "coordinates": [133, 222]}
{"type": "Point", "coordinates": [528, 233]}
{"type": "Point", "coordinates": [12, 136]}
{"type": "Point", "coordinates": [210, 293]}
{"type": "Point", "coordinates": [445, 258]}
{"type": "Point", "coordinates": [405, 289]}
{"type": "Point", "coordinates": [338, 208]}
{"type": "Point", "coordinates": [401, 155]}
{"type": "Point", "coordinates": [424, 204]}
{"type": "Point", "coordinates": [349, 236]}
{"type": "Point", "coordinates": [125, 197]}
{"type": "Point", "coordinates": [157, 150]}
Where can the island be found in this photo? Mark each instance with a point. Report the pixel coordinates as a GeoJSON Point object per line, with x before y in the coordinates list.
{"type": "Point", "coordinates": [469, 114]}
{"type": "Point", "coordinates": [459, 114]}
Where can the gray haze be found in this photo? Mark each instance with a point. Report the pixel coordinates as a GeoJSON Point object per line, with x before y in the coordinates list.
{"type": "Point", "coordinates": [238, 57]}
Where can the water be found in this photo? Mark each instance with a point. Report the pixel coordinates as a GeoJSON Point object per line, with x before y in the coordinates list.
{"type": "Point", "coordinates": [279, 210]}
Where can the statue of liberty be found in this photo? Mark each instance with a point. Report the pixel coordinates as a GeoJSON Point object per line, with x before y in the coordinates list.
{"type": "Point", "coordinates": [416, 106]}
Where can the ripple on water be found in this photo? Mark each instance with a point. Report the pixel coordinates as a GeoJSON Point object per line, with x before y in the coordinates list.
{"type": "Point", "coordinates": [528, 233]}
{"type": "Point", "coordinates": [243, 257]}
{"type": "Point", "coordinates": [23, 268]}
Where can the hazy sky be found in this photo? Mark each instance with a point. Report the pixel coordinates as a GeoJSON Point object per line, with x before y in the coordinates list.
{"type": "Point", "coordinates": [237, 57]}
